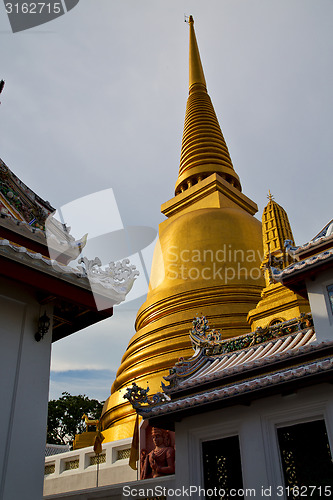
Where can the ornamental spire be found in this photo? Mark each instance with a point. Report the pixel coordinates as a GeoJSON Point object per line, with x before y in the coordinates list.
{"type": "Point", "coordinates": [204, 150]}
{"type": "Point", "coordinates": [275, 228]}
{"type": "Point", "coordinates": [270, 196]}
{"type": "Point", "coordinates": [196, 74]}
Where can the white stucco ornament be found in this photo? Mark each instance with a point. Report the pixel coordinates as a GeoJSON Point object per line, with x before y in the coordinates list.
{"type": "Point", "coordinates": [115, 280]}
{"type": "Point", "coordinates": [61, 244]}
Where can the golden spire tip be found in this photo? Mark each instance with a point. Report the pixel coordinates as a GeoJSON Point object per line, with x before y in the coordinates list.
{"type": "Point", "coordinates": [197, 78]}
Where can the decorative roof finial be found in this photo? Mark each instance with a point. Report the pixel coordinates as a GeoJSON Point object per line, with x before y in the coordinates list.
{"type": "Point", "coordinates": [270, 196]}
{"type": "Point", "coordinates": [188, 19]}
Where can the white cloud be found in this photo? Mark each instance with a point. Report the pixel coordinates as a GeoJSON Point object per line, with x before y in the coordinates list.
{"type": "Point", "coordinates": [92, 383]}
{"type": "Point", "coordinates": [99, 347]}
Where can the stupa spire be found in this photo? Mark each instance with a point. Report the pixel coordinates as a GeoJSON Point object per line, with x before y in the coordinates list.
{"type": "Point", "coordinates": [204, 150]}
{"type": "Point", "coordinates": [196, 74]}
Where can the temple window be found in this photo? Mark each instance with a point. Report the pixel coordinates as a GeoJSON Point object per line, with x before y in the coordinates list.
{"type": "Point", "coordinates": [305, 456]}
{"type": "Point", "coordinates": [222, 464]}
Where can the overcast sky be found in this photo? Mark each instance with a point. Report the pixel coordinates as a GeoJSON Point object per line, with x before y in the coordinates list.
{"type": "Point", "coordinates": [95, 100]}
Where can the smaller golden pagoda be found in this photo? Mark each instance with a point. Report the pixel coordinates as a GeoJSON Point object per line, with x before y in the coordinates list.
{"type": "Point", "coordinates": [277, 303]}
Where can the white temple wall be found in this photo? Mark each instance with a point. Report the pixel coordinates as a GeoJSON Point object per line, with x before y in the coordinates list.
{"type": "Point", "coordinates": [255, 426]}
{"type": "Point", "coordinates": [25, 368]}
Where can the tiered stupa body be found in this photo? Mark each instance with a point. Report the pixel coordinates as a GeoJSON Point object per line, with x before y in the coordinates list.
{"type": "Point", "coordinates": [207, 259]}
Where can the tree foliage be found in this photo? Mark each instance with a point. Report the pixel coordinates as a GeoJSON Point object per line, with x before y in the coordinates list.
{"type": "Point", "coordinates": [64, 418]}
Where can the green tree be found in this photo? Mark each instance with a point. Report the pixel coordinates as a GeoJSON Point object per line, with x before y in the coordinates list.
{"type": "Point", "coordinates": [64, 418]}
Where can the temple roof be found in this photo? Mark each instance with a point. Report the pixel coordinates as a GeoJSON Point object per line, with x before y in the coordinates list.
{"type": "Point", "coordinates": [110, 284]}
{"type": "Point", "coordinates": [81, 296]}
{"type": "Point", "coordinates": [322, 241]}
{"type": "Point", "coordinates": [304, 265]}
{"type": "Point", "coordinates": [285, 374]}
{"type": "Point", "coordinates": [20, 202]}
{"type": "Point", "coordinates": [234, 362]}
{"type": "Point", "coordinates": [280, 358]}
{"type": "Point", "coordinates": [27, 219]}
{"type": "Point", "coordinates": [309, 259]}
{"type": "Point", "coordinates": [29, 235]}
{"type": "Point", "coordinates": [19, 253]}
{"type": "Point", "coordinates": [217, 358]}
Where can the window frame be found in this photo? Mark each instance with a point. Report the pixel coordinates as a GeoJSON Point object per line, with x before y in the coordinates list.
{"type": "Point", "coordinates": [198, 435]}
{"type": "Point", "coordinates": [283, 418]}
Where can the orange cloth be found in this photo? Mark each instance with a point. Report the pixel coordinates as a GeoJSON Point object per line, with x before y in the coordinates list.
{"type": "Point", "coordinates": [98, 443]}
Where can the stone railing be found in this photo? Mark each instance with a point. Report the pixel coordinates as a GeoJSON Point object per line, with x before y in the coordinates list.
{"type": "Point", "coordinates": [77, 469]}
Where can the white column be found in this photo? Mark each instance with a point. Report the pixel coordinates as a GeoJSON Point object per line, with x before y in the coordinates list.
{"type": "Point", "coordinates": [25, 369]}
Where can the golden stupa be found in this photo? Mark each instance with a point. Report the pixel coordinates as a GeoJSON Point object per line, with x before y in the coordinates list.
{"type": "Point", "coordinates": [207, 260]}
{"type": "Point", "coordinates": [277, 303]}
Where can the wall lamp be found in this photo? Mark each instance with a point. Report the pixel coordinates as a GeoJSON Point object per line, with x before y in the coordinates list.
{"type": "Point", "coordinates": [44, 323]}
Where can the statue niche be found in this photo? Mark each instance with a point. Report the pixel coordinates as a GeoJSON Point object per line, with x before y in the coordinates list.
{"type": "Point", "coordinates": [160, 461]}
